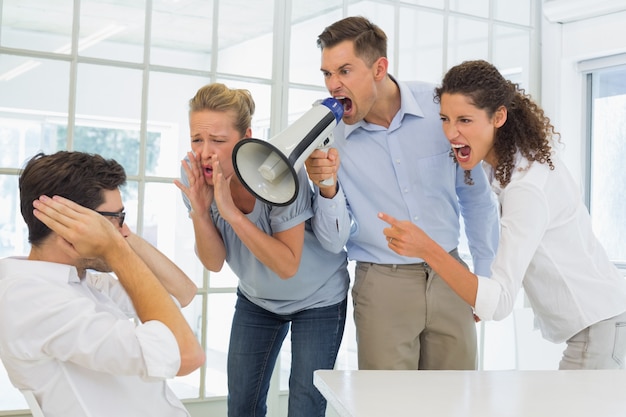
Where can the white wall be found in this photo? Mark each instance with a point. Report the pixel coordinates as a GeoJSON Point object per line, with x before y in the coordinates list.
{"type": "Point", "coordinates": [574, 31]}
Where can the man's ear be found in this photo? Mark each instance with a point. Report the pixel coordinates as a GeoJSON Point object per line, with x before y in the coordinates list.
{"type": "Point", "coordinates": [380, 68]}
{"type": "Point", "coordinates": [500, 116]}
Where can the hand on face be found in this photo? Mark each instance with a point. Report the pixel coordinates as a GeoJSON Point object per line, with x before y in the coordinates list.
{"type": "Point", "coordinates": [86, 233]}
{"type": "Point", "coordinates": [199, 192]}
{"type": "Point", "coordinates": [404, 237]}
{"type": "Point", "coordinates": [223, 197]}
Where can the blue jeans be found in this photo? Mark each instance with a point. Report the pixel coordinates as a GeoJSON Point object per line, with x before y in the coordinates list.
{"type": "Point", "coordinates": [255, 340]}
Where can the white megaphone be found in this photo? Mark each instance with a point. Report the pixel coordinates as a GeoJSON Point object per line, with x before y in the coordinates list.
{"type": "Point", "coordinates": [268, 169]}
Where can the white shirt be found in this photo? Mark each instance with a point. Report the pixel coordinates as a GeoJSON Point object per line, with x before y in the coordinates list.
{"type": "Point", "coordinates": [72, 343]}
{"type": "Point", "coordinates": [548, 246]}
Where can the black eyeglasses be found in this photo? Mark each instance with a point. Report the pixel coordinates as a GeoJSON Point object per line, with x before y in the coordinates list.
{"type": "Point", "coordinates": [120, 215]}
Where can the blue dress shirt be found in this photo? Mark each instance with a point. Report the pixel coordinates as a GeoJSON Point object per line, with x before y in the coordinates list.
{"type": "Point", "coordinates": [406, 171]}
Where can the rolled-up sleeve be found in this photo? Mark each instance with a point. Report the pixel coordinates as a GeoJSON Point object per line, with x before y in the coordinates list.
{"type": "Point", "coordinates": [160, 350]}
{"type": "Point", "coordinates": [487, 298]}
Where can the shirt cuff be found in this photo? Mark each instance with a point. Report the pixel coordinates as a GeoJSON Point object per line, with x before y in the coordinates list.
{"type": "Point", "coordinates": [160, 350]}
{"type": "Point", "coordinates": [482, 267]}
{"type": "Point", "coordinates": [487, 298]}
{"type": "Point", "coordinates": [330, 206]}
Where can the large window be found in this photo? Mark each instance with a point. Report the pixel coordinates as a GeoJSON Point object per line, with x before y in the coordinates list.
{"type": "Point", "coordinates": [115, 77]}
{"type": "Point", "coordinates": [606, 145]}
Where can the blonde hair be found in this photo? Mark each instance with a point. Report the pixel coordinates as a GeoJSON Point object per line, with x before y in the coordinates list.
{"type": "Point", "coordinates": [218, 97]}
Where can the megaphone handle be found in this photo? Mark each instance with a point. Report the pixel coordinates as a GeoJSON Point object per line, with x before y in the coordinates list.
{"type": "Point", "coordinates": [324, 148]}
{"type": "Point", "coordinates": [328, 181]}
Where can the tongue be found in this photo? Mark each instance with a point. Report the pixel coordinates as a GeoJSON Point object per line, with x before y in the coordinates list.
{"type": "Point", "coordinates": [464, 151]}
{"type": "Point", "coordinates": [347, 104]}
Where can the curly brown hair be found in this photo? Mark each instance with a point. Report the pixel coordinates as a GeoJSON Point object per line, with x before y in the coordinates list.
{"type": "Point", "coordinates": [527, 129]}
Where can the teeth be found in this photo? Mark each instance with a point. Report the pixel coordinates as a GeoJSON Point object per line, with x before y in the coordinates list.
{"type": "Point", "coordinates": [457, 146]}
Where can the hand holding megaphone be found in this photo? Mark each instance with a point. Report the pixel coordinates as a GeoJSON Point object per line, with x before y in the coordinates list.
{"type": "Point", "coordinates": [321, 166]}
{"type": "Point", "coordinates": [268, 169]}
{"type": "Point", "coordinates": [325, 145]}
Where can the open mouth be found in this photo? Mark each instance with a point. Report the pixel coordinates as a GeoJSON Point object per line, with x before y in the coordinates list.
{"type": "Point", "coordinates": [346, 102]}
{"type": "Point", "coordinates": [462, 152]}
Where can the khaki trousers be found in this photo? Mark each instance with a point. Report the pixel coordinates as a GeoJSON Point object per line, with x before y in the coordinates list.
{"type": "Point", "coordinates": [407, 317]}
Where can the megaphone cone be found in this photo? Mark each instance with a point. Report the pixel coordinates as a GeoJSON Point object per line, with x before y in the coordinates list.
{"type": "Point", "coordinates": [268, 169]}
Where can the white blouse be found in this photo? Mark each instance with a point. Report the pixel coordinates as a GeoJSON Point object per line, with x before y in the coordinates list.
{"type": "Point", "coordinates": [548, 246]}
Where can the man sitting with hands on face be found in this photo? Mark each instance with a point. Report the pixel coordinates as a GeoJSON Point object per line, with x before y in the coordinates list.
{"type": "Point", "coordinates": [65, 332]}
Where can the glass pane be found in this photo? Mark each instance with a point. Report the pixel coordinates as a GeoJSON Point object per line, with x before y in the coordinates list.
{"type": "Point", "coordinates": [28, 124]}
{"type": "Point", "coordinates": [511, 53]}
{"type": "Point", "coordinates": [306, 25]}
{"type": "Point", "coordinates": [22, 136]}
{"type": "Point", "coordinates": [130, 198]}
{"type": "Point", "coordinates": [347, 358]}
{"type": "Point", "coordinates": [438, 4]}
{"type": "Point", "coordinates": [188, 386]}
{"type": "Point", "coordinates": [226, 278]}
{"type": "Point", "coordinates": [49, 79]}
{"type": "Point", "coordinates": [421, 46]}
{"type": "Point", "coordinates": [168, 114]}
{"type": "Point", "coordinates": [608, 145]}
{"type": "Point", "coordinates": [112, 29]}
{"type": "Point", "coordinates": [108, 109]}
{"type": "Point", "coordinates": [182, 34]}
{"type": "Point", "coordinates": [473, 7]}
{"type": "Point", "coordinates": [219, 315]}
{"type": "Point", "coordinates": [517, 11]}
{"type": "Point", "coordinates": [249, 51]}
{"type": "Point", "coordinates": [301, 101]}
{"type": "Point", "coordinates": [468, 39]}
{"type": "Point", "coordinates": [109, 92]}
{"type": "Point", "coordinates": [166, 226]}
{"type": "Point", "coordinates": [499, 344]}
{"type": "Point", "coordinates": [13, 231]}
{"type": "Point", "coordinates": [383, 16]}
{"type": "Point", "coordinates": [41, 25]}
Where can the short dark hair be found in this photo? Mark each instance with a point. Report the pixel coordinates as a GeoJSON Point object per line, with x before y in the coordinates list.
{"type": "Point", "coordinates": [370, 41]}
{"type": "Point", "coordinates": [77, 176]}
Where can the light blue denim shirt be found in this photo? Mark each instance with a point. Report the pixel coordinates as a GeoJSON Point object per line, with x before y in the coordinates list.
{"type": "Point", "coordinates": [406, 171]}
{"type": "Point", "coordinates": [322, 278]}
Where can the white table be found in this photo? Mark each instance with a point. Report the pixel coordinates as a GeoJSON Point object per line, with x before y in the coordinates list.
{"type": "Point", "coordinates": [474, 393]}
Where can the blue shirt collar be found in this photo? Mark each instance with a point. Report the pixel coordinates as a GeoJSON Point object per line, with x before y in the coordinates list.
{"type": "Point", "coordinates": [408, 106]}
